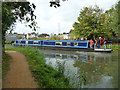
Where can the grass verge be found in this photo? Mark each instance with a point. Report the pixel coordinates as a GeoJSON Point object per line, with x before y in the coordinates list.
{"type": "Point", "coordinates": [45, 75]}
{"type": "Point", "coordinates": [113, 46]}
{"type": "Point", "coordinates": [5, 64]}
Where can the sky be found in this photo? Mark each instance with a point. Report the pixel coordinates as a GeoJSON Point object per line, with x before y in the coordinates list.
{"type": "Point", "coordinates": [58, 20]}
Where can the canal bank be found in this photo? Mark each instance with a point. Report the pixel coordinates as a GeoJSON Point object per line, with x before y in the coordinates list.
{"type": "Point", "coordinates": [45, 75]}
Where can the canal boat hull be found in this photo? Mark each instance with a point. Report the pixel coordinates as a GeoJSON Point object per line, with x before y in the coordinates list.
{"type": "Point", "coordinates": [67, 48]}
{"type": "Point", "coordinates": [103, 50]}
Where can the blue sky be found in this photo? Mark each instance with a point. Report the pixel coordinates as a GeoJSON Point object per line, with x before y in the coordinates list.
{"type": "Point", "coordinates": [59, 20]}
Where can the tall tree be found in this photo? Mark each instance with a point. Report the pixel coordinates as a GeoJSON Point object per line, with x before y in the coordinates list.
{"type": "Point", "coordinates": [113, 19]}
{"type": "Point", "coordinates": [92, 22]}
{"type": "Point", "coordinates": [89, 24]}
{"type": "Point", "coordinates": [17, 11]}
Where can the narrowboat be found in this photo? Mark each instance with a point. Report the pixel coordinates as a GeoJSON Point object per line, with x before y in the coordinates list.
{"type": "Point", "coordinates": [59, 45]}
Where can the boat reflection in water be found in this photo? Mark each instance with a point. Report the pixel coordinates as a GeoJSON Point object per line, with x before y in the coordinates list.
{"type": "Point", "coordinates": [87, 70]}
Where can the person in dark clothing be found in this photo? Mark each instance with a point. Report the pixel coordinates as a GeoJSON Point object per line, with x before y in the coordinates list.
{"type": "Point", "coordinates": [93, 42]}
{"type": "Point", "coordinates": [99, 43]}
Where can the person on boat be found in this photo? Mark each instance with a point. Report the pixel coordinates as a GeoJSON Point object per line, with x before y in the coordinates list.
{"type": "Point", "coordinates": [105, 42]}
{"type": "Point", "coordinates": [101, 41]}
{"type": "Point", "coordinates": [96, 43]}
{"type": "Point", "coordinates": [91, 43]}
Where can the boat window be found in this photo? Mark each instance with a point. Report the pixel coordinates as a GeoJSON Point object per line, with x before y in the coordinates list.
{"type": "Point", "coordinates": [64, 43]}
{"type": "Point", "coordinates": [30, 42]}
{"type": "Point", "coordinates": [26, 42]}
{"type": "Point", "coordinates": [82, 44]}
{"type": "Point", "coordinates": [19, 41]}
{"type": "Point", "coordinates": [68, 43]}
{"type": "Point", "coordinates": [76, 44]}
{"type": "Point", "coordinates": [59, 43]}
{"type": "Point", "coordinates": [23, 42]}
{"type": "Point", "coordinates": [35, 42]}
{"type": "Point", "coordinates": [51, 43]}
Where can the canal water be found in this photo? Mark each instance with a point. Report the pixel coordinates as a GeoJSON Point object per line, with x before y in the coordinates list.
{"type": "Point", "coordinates": [86, 69]}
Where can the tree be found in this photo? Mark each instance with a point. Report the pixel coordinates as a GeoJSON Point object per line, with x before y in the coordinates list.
{"type": "Point", "coordinates": [17, 11]}
{"type": "Point", "coordinates": [20, 36]}
{"type": "Point", "coordinates": [55, 3]}
{"type": "Point", "coordinates": [93, 23]}
{"type": "Point", "coordinates": [15, 33]}
{"type": "Point", "coordinates": [90, 22]}
{"type": "Point", "coordinates": [113, 19]}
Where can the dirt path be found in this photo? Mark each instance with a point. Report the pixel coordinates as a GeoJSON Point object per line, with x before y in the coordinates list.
{"type": "Point", "coordinates": [19, 75]}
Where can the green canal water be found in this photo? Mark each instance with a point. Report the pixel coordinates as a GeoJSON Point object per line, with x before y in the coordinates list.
{"type": "Point", "coordinates": [86, 69]}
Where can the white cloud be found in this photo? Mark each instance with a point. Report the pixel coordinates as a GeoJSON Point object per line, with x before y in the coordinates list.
{"type": "Point", "coordinates": [48, 18]}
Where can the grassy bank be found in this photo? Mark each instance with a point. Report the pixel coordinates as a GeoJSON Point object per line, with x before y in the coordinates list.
{"type": "Point", "coordinates": [45, 75]}
{"type": "Point", "coordinates": [115, 46]}
{"type": "Point", "coordinates": [5, 64]}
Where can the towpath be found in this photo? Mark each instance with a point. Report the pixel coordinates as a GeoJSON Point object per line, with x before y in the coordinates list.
{"type": "Point", "coordinates": [19, 75]}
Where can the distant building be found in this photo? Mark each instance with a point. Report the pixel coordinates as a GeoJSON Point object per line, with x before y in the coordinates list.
{"type": "Point", "coordinates": [32, 35]}
{"type": "Point", "coordinates": [64, 36]}
{"type": "Point", "coordinates": [11, 37]}
{"type": "Point", "coordinates": [22, 36]}
{"type": "Point", "coordinates": [44, 35]}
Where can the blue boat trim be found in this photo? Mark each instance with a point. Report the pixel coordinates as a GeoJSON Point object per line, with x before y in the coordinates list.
{"type": "Point", "coordinates": [52, 43]}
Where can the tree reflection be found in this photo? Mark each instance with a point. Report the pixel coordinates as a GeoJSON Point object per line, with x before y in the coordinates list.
{"type": "Point", "coordinates": [96, 68]}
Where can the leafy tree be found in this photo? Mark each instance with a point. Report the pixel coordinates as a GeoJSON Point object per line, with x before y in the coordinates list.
{"type": "Point", "coordinates": [113, 19]}
{"type": "Point", "coordinates": [64, 33]}
{"type": "Point", "coordinates": [20, 36]}
{"type": "Point", "coordinates": [17, 11]}
{"type": "Point", "coordinates": [15, 33]}
{"type": "Point", "coordinates": [55, 37]}
{"type": "Point", "coordinates": [72, 36]}
{"type": "Point", "coordinates": [89, 22]}
{"type": "Point", "coordinates": [55, 3]}
{"type": "Point", "coordinates": [92, 23]}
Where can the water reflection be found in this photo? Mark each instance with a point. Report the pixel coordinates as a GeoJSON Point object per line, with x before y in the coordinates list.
{"type": "Point", "coordinates": [91, 59]}
{"type": "Point", "coordinates": [85, 69]}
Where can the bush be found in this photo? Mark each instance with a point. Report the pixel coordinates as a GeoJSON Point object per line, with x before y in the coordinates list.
{"type": "Point", "coordinates": [5, 64]}
{"type": "Point", "coordinates": [9, 42]}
